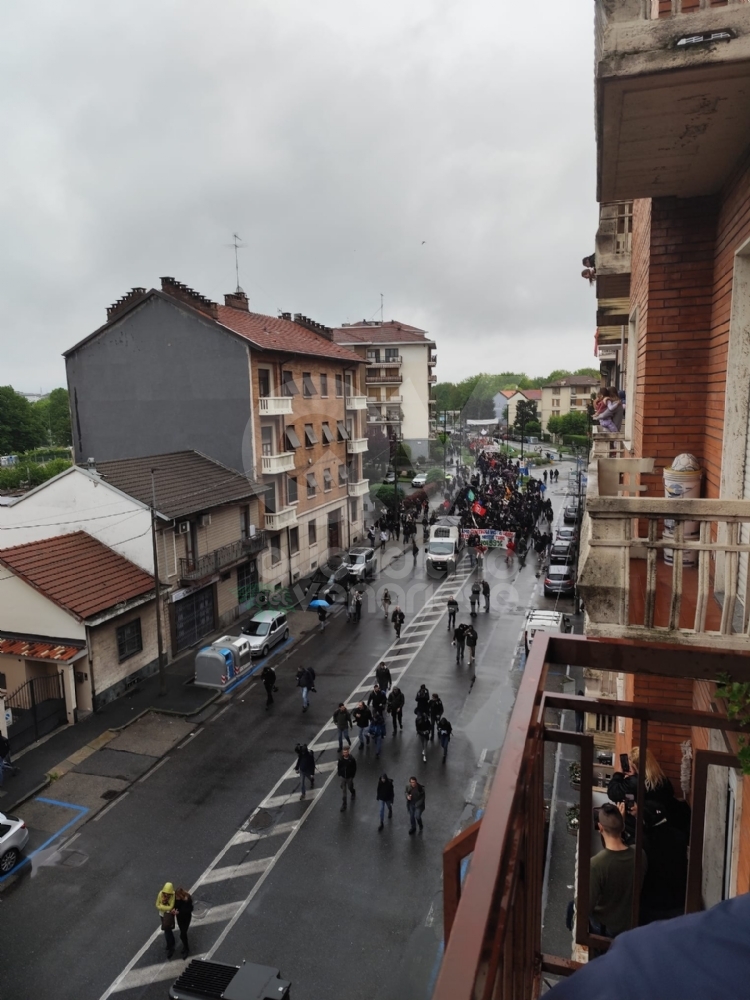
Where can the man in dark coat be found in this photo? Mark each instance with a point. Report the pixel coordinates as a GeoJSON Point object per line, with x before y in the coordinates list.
{"type": "Point", "coordinates": [383, 676]}
{"type": "Point", "coordinates": [346, 770]}
{"type": "Point", "coordinates": [268, 677]}
{"type": "Point", "coordinates": [396, 707]}
{"type": "Point", "coordinates": [305, 766]}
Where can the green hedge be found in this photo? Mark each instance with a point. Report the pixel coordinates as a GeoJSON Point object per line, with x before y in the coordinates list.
{"type": "Point", "coordinates": [27, 475]}
{"type": "Point", "coordinates": [576, 440]}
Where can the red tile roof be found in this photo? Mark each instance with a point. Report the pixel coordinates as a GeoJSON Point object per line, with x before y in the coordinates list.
{"type": "Point", "coordinates": [271, 333]}
{"type": "Point", "coordinates": [391, 332]}
{"type": "Point", "coordinates": [33, 649]}
{"type": "Point", "coordinates": [532, 393]}
{"type": "Point", "coordinates": [78, 573]}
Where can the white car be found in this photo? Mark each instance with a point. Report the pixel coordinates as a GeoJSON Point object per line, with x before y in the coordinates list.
{"type": "Point", "coordinates": [419, 480]}
{"type": "Point", "coordinates": [13, 838]}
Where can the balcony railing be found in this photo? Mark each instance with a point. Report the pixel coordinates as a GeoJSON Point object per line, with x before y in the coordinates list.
{"type": "Point", "coordinates": [284, 518]}
{"type": "Point", "coordinates": [432, 379]}
{"type": "Point", "coordinates": [210, 563]}
{"type": "Point", "coordinates": [384, 361]}
{"type": "Point", "coordinates": [274, 406]}
{"type": "Point", "coordinates": [373, 377]}
{"type": "Point", "coordinates": [663, 570]}
{"type": "Point", "coordinates": [358, 489]}
{"type": "Point", "coordinates": [356, 446]}
{"type": "Point", "coordinates": [492, 919]}
{"type": "Point", "coordinates": [356, 402]}
{"type": "Point", "coordinates": [274, 464]}
{"type": "Point", "coordinates": [255, 543]}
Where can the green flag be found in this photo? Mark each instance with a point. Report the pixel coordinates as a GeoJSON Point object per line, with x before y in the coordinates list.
{"type": "Point", "coordinates": [471, 495]}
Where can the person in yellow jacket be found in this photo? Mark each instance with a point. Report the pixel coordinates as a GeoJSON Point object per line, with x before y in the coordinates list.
{"type": "Point", "coordinates": [166, 909]}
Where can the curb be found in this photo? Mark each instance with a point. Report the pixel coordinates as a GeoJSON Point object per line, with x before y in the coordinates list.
{"type": "Point", "coordinates": [30, 795]}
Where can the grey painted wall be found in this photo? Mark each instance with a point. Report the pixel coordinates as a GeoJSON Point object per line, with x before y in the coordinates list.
{"type": "Point", "coordinates": [161, 380]}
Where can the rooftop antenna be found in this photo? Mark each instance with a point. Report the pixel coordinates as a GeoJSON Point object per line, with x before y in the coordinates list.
{"type": "Point", "coordinates": [381, 308]}
{"type": "Point", "coordinates": [237, 244]}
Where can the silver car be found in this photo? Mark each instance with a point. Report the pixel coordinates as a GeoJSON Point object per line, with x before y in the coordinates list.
{"type": "Point", "coordinates": [264, 630]}
{"type": "Point", "coordinates": [361, 563]}
{"type": "Point", "coordinates": [13, 838]}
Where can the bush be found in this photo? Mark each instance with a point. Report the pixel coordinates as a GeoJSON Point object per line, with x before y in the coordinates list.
{"type": "Point", "coordinates": [435, 476]}
{"type": "Point", "coordinates": [28, 475]}
{"type": "Point", "coordinates": [386, 495]}
{"type": "Point", "coordinates": [576, 440]}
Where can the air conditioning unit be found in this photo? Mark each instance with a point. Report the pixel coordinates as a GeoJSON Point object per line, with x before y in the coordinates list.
{"type": "Point", "coordinates": [204, 520]}
{"type": "Point", "coordinates": [183, 527]}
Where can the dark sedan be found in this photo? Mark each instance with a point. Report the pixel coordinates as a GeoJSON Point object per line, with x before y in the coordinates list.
{"type": "Point", "coordinates": [562, 553]}
{"type": "Point", "coordinates": [560, 580]}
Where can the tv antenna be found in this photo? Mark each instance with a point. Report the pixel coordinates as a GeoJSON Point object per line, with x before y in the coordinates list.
{"type": "Point", "coordinates": [237, 244]}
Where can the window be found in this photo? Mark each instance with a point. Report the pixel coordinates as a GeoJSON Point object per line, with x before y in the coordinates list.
{"type": "Point", "coordinates": [391, 354]}
{"type": "Point", "coordinates": [343, 475]}
{"type": "Point", "coordinates": [311, 437]}
{"type": "Point", "coordinates": [312, 534]}
{"type": "Point", "coordinates": [373, 354]}
{"type": "Point", "coordinates": [292, 441]}
{"type": "Point", "coordinates": [327, 432]}
{"type": "Point", "coordinates": [339, 385]}
{"type": "Point", "coordinates": [275, 549]}
{"type": "Point", "coordinates": [605, 723]}
{"type": "Point", "coordinates": [266, 440]}
{"type": "Point", "coordinates": [327, 481]}
{"type": "Point", "coordinates": [293, 541]}
{"type": "Point", "coordinates": [244, 522]}
{"type": "Point", "coordinates": [129, 639]}
{"type": "Point", "coordinates": [312, 484]}
{"type": "Point", "coordinates": [308, 386]}
{"type": "Point", "coordinates": [264, 382]}
{"type": "Point", "coordinates": [288, 385]}
{"type": "Point", "coordinates": [291, 489]}
{"type": "Point", "coordinates": [343, 432]}
{"type": "Point", "coordinates": [352, 510]}
{"type": "Point", "coordinates": [323, 384]}
{"type": "Point", "coordinates": [347, 384]}
{"type": "Point", "coordinates": [247, 581]}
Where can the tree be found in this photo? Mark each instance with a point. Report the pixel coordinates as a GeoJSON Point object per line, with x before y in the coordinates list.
{"type": "Point", "coordinates": [575, 422]}
{"type": "Point", "coordinates": [532, 427]}
{"type": "Point", "coordinates": [20, 426]}
{"type": "Point", "coordinates": [525, 413]}
{"type": "Point", "coordinates": [54, 415]}
{"type": "Point", "coordinates": [554, 425]}
{"type": "Point", "coordinates": [592, 372]}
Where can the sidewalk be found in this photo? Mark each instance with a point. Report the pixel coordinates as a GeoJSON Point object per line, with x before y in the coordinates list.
{"type": "Point", "coordinates": [66, 747]}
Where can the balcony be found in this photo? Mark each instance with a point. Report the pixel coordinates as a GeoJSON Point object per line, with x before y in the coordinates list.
{"type": "Point", "coordinates": [255, 543]}
{"type": "Point", "coordinates": [359, 489]}
{"type": "Point", "coordinates": [690, 587]}
{"type": "Point", "coordinates": [356, 402]}
{"type": "Point", "coordinates": [432, 379]}
{"type": "Point", "coordinates": [374, 376]}
{"type": "Point", "coordinates": [493, 918]}
{"type": "Point", "coordinates": [284, 518]}
{"type": "Point", "coordinates": [212, 562]}
{"type": "Point", "coordinates": [397, 360]}
{"type": "Point", "coordinates": [614, 239]}
{"type": "Point", "coordinates": [671, 93]}
{"type": "Point", "coordinates": [432, 360]}
{"type": "Point", "coordinates": [356, 446]}
{"type": "Point", "coordinates": [273, 465]}
{"type": "Point", "coordinates": [274, 406]}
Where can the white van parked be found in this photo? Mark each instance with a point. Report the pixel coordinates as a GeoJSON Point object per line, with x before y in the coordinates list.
{"type": "Point", "coordinates": [544, 621]}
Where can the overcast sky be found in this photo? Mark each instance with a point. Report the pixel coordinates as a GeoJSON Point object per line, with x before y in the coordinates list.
{"type": "Point", "coordinates": [438, 151]}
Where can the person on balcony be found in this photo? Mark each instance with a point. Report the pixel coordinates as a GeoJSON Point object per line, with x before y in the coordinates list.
{"type": "Point", "coordinates": [612, 873]}
{"type": "Point", "coordinates": [658, 789]}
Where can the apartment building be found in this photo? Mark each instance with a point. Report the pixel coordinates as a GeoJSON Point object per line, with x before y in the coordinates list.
{"type": "Point", "coordinates": [399, 378]}
{"type": "Point", "coordinates": [274, 399]}
{"type": "Point", "coordinates": [566, 395]}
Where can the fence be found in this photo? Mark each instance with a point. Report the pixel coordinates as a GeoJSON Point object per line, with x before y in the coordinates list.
{"type": "Point", "coordinates": [38, 707]}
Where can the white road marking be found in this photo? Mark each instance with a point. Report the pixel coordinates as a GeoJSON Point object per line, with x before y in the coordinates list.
{"type": "Point", "coordinates": [274, 801]}
{"type": "Point", "coordinates": [170, 969]}
{"type": "Point", "coordinates": [331, 745]}
{"type": "Point", "coordinates": [120, 983]}
{"type": "Point", "coordinates": [244, 837]}
{"type": "Point", "coordinates": [154, 768]}
{"type": "Point", "coordinates": [218, 914]}
{"type": "Point", "coordinates": [111, 805]}
{"type": "Point", "coordinates": [237, 871]}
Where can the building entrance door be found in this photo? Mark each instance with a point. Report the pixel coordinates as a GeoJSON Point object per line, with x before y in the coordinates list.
{"type": "Point", "coordinates": [194, 617]}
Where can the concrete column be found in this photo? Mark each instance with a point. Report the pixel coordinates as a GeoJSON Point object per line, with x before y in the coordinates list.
{"type": "Point", "coordinates": [69, 687]}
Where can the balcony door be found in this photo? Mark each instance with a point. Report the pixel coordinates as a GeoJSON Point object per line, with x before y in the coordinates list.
{"type": "Point", "coordinates": [266, 439]}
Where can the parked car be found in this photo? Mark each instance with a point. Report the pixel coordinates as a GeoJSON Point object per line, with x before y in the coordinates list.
{"type": "Point", "coordinates": [562, 553]}
{"type": "Point", "coordinates": [543, 621]}
{"type": "Point", "coordinates": [567, 534]}
{"type": "Point", "coordinates": [362, 563]}
{"type": "Point", "coordinates": [329, 582]}
{"type": "Point", "coordinates": [390, 478]}
{"type": "Point", "coordinates": [264, 630]}
{"type": "Point", "coordinates": [13, 838]}
{"type": "Point", "coordinates": [560, 580]}
{"type": "Point", "coordinates": [570, 513]}
{"type": "Point", "coordinates": [419, 480]}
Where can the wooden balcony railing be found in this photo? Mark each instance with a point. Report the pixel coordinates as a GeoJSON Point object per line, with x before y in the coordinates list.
{"type": "Point", "coordinates": [493, 919]}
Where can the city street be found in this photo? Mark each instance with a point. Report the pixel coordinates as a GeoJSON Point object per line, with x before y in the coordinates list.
{"type": "Point", "coordinates": [339, 908]}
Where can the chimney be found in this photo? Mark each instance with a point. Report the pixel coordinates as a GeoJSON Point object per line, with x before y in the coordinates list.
{"type": "Point", "coordinates": [189, 296]}
{"type": "Point", "coordinates": [237, 300]}
{"type": "Point", "coordinates": [310, 324]}
{"type": "Point", "coordinates": [123, 304]}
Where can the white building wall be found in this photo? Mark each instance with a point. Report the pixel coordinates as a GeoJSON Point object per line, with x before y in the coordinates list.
{"type": "Point", "coordinates": [24, 611]}
{"type": "Point", "coordinates": [78, 501]}
{"type": "Point", "coordinates": [415, 389]}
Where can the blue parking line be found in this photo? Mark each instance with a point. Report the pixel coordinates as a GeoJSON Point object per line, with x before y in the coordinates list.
{"type": "Point", "coordinates": [80, 810]}
{"type": "Point", "coordinates": [258, 665]}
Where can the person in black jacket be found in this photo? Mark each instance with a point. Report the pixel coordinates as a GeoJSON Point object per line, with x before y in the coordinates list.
{"type": "Point", "coordinates": [452, 612]}
{"type": "Point", "coordinates": [665, 881]}
{"type": "Point", "coordinates": [398, 617]}
{"type": "Point", "coordinates": [422, 699]}
{"type": "Point", "coordinates": [305, 766]}
{"type": "Point", "coordinates": [445, 729]}
{"type": "Point", "coordinates": [435, 708]}
{"type": "Point", "coordinates": [459, 640]}
{"type": "Point", "coordinates": [486, 595]}
{"type": "Point", "coordinates": [384, 796]}
{"type": "Point", "coordinates": [396, 707]}
{"type": "Point", "coordinates": [424, 730]}
{"type": "Point", "coordinates": [415, 803]}
{"type": "Point", "coordinates": [362, 718]}
{"type": "Point", "coordinates": [658, 789]}
{"type": "Point", "coordinates": [306, 681]}
{"type": "Point", "coordinates": [346, 770]}
{"type": "Point", "coordinates": [376, 700]}
{"type": "Point", "coordinates": [268, 677]}
{"type": "Point", "coordinates": [183, 905]}
{"type": "Point", "coordinates": [383, 676]}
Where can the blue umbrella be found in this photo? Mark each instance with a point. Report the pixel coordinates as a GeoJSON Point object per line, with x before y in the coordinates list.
{"type": "Point", "coordinates": [318, 604]}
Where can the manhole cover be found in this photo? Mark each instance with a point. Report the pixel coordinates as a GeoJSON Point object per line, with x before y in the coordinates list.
{"type": "Point", "coordinates": [111, 793]}
{"type": "Point", "coordinates": [73, 859]}
{"type": "Point", "coordinates": [201, 908]}
{"type": "Point", "coordinates": [261, 821]}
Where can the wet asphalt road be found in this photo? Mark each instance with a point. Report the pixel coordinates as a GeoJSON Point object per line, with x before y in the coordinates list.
{"type": "Point", "coordinates": [341, 909]}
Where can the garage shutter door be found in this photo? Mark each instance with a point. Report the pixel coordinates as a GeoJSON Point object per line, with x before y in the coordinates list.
{"type": "Point", "coordinates": [194, 617]}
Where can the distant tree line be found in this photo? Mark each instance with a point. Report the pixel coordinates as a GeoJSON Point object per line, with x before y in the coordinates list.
{"type": "Point", "coordinates": [25, 426]}
{"type": "Point", "coordinates": [474, 395]}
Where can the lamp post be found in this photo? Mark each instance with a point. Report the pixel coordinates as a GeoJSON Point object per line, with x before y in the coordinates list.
{"type": "Point", "coordinates": [157, 582]}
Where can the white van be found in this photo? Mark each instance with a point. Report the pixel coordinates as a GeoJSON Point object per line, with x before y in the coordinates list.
{"type": "Point", "coordinates": [445, 545]}
{"type": "Point", "coordinates": [544, 621]}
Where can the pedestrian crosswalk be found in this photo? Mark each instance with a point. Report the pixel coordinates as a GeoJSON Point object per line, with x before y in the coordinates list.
{"type": "Point", "coordinates": [234, 877]}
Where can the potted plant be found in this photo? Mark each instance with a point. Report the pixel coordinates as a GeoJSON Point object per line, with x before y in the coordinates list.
{"type": "Point", "coordinates": [574, 773]}
{"type": "Point", "coordinates": [573, 819]}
